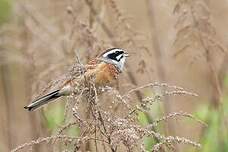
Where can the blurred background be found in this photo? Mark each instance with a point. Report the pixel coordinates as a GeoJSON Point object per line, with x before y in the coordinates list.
{"type": "Point", "coordinates": [179, 42]}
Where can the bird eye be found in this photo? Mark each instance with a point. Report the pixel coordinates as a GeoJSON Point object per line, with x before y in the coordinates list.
{"type": "Point", "coordinates": [119, 52]}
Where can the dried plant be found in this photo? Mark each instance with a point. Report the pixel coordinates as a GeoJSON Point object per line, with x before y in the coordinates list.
{"type": "Point", "coordinates": [197, 34]}
{"type": "Point", "coordinates": [47, 45]}
{"type": "Point", "coordinates": [196, 37]}
{"type": "Point", "coordinates": [111, 130]}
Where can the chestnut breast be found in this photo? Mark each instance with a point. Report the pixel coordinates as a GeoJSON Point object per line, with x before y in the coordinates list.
{"type": "Point", "coordinates": [104, 73]}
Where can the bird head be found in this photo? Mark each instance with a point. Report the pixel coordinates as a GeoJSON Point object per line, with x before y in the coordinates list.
{"type": "Point", "coordinates": [115, 56]}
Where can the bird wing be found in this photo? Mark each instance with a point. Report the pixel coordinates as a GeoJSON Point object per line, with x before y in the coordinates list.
{"type": "Point", "coordinates": [74, 73]}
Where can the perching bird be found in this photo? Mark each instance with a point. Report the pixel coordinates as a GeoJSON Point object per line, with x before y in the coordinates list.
{"type": "Point", "coordinates": [102, 70]}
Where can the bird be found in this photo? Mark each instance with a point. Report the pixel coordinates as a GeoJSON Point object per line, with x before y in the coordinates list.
{"type": "Point", "coordinates": [102, 71]}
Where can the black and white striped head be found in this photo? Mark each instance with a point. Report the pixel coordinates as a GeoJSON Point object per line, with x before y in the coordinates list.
{"type": "Point", "coordinates": [115, 56]}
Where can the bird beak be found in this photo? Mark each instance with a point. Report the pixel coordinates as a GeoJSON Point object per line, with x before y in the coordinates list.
{"type": "Point", "coordinates": [126, 54]}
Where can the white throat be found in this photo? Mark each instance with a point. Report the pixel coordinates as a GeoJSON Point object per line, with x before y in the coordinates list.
{"type": "Point", "coordinates": [119, 65]}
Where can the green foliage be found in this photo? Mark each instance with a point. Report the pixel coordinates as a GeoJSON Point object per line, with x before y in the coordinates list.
{"type": "Point", "coordinates": [5, 10]}
{"type": "Point", "coordinates": [215, 136]}
{"type": "Point", "coordinates": [226, 81]}
{"type": "Point", "coordinates": [148, 142]}
{"type": "Point", "coordinates": [55, 116]}
{"type": "Point", "coordinates": [74, 131]}
{"type": "Point", "coordinates": [144, 120]}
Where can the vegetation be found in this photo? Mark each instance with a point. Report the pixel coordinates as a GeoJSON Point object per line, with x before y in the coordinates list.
{"type": "Point", "coordinates": [171, 43]}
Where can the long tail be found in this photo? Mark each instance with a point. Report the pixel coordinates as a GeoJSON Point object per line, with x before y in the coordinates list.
{"type": "Point", "coordinates": [43, 100]}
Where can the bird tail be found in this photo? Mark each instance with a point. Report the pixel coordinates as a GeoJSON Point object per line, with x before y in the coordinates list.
{"type": "Point", "coordinates": [43, 100]}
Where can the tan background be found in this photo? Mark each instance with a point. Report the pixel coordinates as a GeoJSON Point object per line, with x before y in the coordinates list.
{"type": "Point", "coordinates": [18, 126]}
